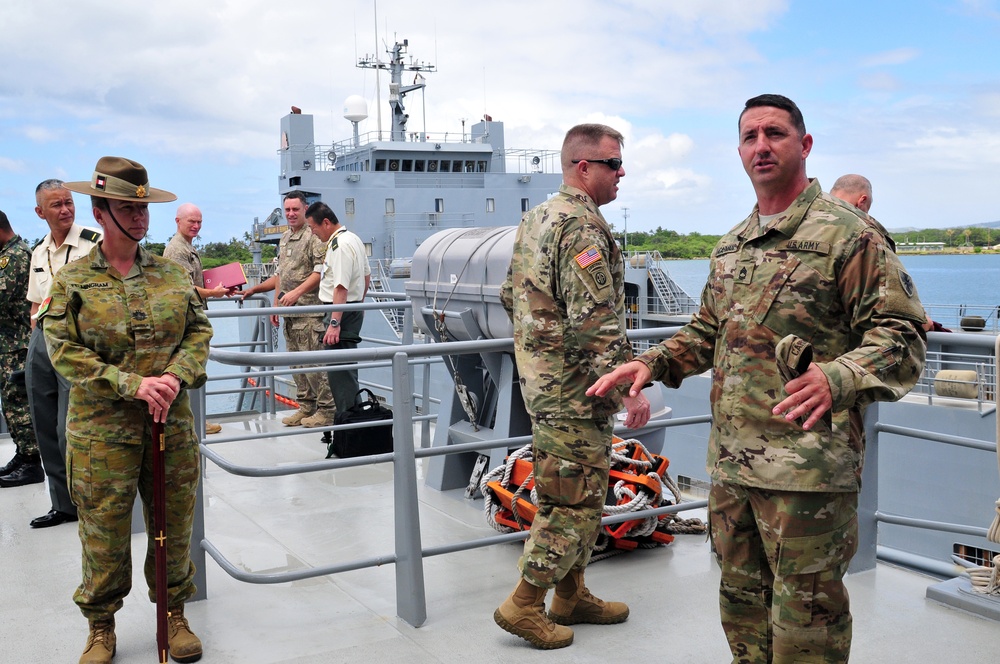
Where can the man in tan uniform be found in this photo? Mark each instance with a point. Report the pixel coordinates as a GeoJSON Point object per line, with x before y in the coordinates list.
{"type": "Point", "coordinates": [300, 260]}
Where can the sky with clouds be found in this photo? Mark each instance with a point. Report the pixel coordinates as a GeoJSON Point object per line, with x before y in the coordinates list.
{"type": "Point", "coordinates": [907, 94]}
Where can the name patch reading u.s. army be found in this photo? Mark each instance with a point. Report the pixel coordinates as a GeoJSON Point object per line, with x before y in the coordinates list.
{"type": "Point", "coordinates": [805, 245]}
{"type": "Point", "coordinates": [906, 281]}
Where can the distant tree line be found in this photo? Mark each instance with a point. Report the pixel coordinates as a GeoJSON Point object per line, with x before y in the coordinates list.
{"type": "Point", "coordinates": [671, 244]}
{"type": "Point", "coordinates": [214, 254]}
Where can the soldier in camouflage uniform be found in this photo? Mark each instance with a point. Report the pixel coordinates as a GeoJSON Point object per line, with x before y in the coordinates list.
{"type": "Point", "coordinates": [300, 260]}
{"type": "Point", "coordinates": [127, 330]}
{"type": "Point", "coordinates": [15, 330]}
{"type": "Point", "coordinates": [181, 250]}
{"type": "Point", "coordinates": [565, 295]}
{"type": "Point", "coordinates": [807, 317]}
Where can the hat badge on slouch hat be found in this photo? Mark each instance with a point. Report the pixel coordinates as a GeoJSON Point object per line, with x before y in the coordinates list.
{"type": "Point", "coordinates": [121, 179]}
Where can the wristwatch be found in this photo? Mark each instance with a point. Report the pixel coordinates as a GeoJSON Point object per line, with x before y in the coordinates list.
{"type": "Point", "coordinates": [334, 322]}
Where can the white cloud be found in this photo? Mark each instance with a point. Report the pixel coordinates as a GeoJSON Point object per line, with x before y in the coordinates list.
{"type": "Point", "coordinates": [898, 56]}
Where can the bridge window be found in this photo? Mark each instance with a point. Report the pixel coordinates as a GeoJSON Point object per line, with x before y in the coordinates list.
{"type": "Point", "coordinates": [418, 166]}
{"type": "Point", "coordinates": [439, 205]}
{"type": "Point", "coordinates": [524, 205]}
{"type": "Point", "coordinates": [481, 166]}
{"type": "Point", "coordinates": [380, 164]}
{"type": "Point", "coordinates": [407, 165]}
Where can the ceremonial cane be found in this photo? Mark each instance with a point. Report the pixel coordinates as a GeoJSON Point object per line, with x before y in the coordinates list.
{"type": "Point", "coordinates": [160, 526]}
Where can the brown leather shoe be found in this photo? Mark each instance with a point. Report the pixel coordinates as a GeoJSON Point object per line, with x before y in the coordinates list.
{"type": "Point", "coordinates": [184, 646]}
{"type": "Point", "coordinates": [572, 603]}
{"type": "Point", "coordinates": [523, 614]}
{"type": "Point", "coordinates": [101, 643]}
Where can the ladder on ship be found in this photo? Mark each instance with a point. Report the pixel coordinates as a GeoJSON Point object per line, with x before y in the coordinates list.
{"type": "Point", "coordinates": [671, 298]}
{"type": "Point", "coordinates": [380, 284]}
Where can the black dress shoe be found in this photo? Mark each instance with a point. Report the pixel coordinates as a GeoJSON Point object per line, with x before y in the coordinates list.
{"type": "Point", "coordinates": [29, 472]}
{"type": "Point", "coordinates": [53, 518]}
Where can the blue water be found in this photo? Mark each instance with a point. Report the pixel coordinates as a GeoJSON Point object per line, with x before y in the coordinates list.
{"type": "Point", "coordinates": [945, 279]}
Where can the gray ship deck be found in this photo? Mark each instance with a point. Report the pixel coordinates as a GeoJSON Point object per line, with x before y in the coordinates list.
{"type": "Point", "coordinates": [319, 518]}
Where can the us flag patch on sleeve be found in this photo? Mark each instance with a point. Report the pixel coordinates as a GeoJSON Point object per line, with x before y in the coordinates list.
{"type": "Point", "coordinates": [588, 256]}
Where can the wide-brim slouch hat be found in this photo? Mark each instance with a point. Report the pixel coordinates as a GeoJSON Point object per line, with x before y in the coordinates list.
{"type": "Point", "coordinates": [121, 179]}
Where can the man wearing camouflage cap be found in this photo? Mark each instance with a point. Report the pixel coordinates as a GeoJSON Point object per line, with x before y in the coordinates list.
{"type": "Point", "coordinates": [565, 294]}
{"type": "Point", "coordinates": [807, 317]}
{"type": "Point", "coordinates": [129, 333]}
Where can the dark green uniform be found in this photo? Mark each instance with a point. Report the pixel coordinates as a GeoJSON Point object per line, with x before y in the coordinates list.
{"type": "Point", "coordinates": [15, 330]}
{"type": "Point", "coordinates": [105, 333]}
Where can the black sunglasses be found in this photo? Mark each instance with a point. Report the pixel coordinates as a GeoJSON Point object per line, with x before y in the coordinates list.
{"type": "Point", "coordinates": [614, 163]}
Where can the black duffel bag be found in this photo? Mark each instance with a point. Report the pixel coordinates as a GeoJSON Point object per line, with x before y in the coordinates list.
{"type": "Point", "coordinates": [362, 441]}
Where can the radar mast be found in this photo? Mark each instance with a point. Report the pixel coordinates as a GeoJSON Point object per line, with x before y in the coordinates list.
{"type": "Point", "coordinates": [397, 90]}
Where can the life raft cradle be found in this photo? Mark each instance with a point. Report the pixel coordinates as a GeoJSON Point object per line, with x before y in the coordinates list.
{"type": "Point", "coordinates": [638, 480]}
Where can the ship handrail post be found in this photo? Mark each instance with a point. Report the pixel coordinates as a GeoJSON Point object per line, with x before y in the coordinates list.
{"type": "Point", "coordinates": [411, 602]}
{"type": "Point", "coordinates": [865, 557]}
{"type": "Point", "coordinates": [197, 553]}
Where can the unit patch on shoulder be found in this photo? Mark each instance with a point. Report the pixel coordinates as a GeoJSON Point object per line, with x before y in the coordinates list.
{"type": "Point", "coordinates": [906, 281]}
{"type": "Point", "coordinates": [44, 307]}
{"type": "Point", "coordinates": [4, 260]}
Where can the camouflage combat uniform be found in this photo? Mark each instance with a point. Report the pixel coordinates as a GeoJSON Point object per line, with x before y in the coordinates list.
{"type": "Point", "coordinates": [182, 252]}
{"type": "Point", "coordinates": [565, 295]}
{"type": "Point", "coordinates": [105, 333]}
{"type": "Point", "coordinates": [783, 502]}
{"type": "Point", "coordinates": [15, 330]}
{"type": "Point", "coordinates": [299, 253]}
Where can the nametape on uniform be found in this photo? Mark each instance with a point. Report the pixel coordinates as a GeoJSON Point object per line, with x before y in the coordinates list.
{"type": "Point", "coordinates": [805, 245]}
{"type": "Point", "coordinates": [588, 256]}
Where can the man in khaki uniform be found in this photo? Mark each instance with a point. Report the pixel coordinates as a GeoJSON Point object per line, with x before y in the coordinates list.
{"type": "Point", "coordinates": [807, 317]}
{"type": "Point", "coordinates": [300, 259]}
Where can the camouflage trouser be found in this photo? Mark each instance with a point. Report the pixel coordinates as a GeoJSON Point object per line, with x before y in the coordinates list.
{"type": "Point", "coordinates": [572, 461]}
{"type": "Point", "coordinates": [783, 557]}
{"type": "Point", "coordinates": [14, 397]}
{"type": "Point", "coordinates": [312, 389]}
{"type": "Point", "coordinates": [104, 478]}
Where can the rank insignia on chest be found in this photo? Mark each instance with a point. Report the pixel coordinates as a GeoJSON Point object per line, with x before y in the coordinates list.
{"type": "Point", "coordinates": [744, 272]}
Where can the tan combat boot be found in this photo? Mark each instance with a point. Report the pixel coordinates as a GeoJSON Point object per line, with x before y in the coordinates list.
{"type": "Point", "coordinates": [318, 419]}
{"type": "Point", "coordinates": [184, 646]}
{"type": "Point", "coordinates": [523, 614]}
{"type": "Point", "coordinates": [100, 648]}
{"type": "Point", "coordinates": [572, 603]}
{"type": "Point", "coordinates": [295, 419]}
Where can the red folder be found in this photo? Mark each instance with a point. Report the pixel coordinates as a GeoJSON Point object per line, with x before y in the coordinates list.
{"type": "Point", "coordinates": [229, 275]}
